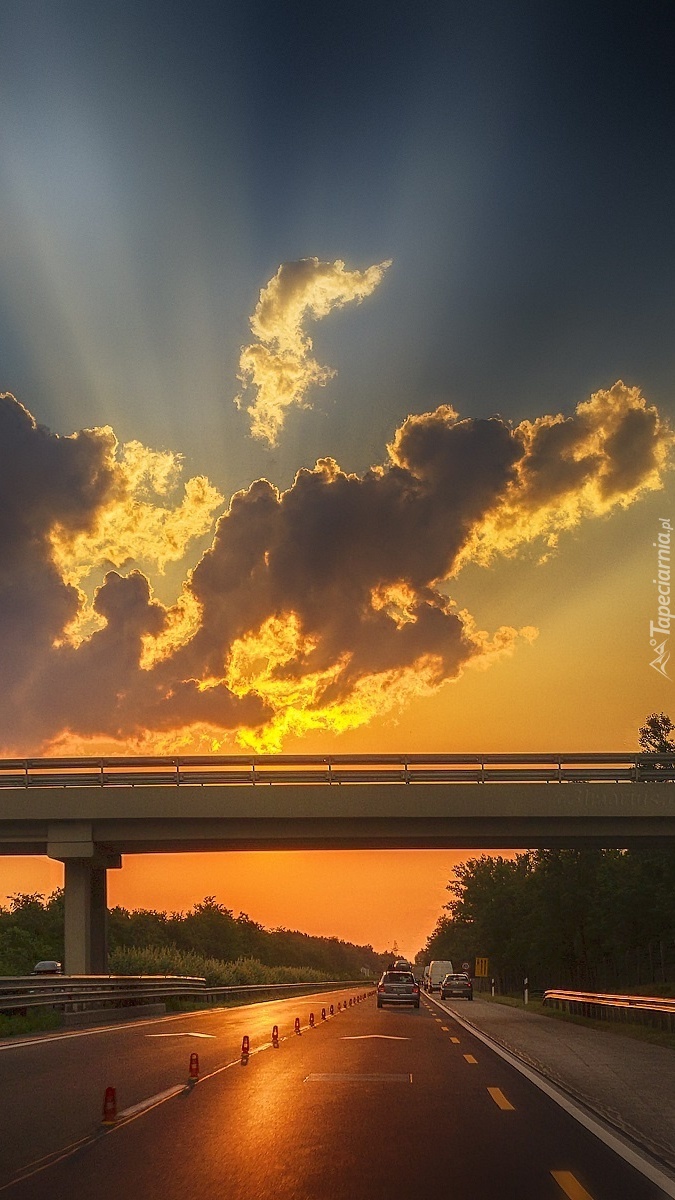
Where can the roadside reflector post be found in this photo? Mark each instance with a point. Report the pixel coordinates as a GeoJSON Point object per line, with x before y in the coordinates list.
{"type": "Point", "coordinates": [492, 986]}
{"type": "Point", "coordinates": [193, 1074]}
{"type": "Point", "coordinates": [245, 1049]}
{"type": "Point", "coordinates": [526, 990]}
{"type": "Point", "coordinates": [275, 1037]}
{"type": "Point", "coordinates": [350, 1001]}
{"type": "Point", "coordinates": [311, 1020]}
{"type": "Point", "coordinates": [109, 1106]}
{"type": "Point", "coordinates": [323, 1014]}
{"type": "Point", "coordinates": [297, 1026]}
{"type": "Point", "coordinates": [332, 1010]}
{"type": "Point", "coordinates": [339, 1006]}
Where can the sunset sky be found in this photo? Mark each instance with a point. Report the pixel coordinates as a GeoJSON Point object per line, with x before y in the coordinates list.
{"type": "Point", "coordinates": [337, 361]}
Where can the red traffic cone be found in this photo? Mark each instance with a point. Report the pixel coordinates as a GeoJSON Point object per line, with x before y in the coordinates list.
{"type": "Point", "coordinates": [297, 1025]}
{"type": "Point", "coordinates": [323, 1014]}
{"type": "Point", "coordinates": [275, 1036]}
{"type": "Point", "coordinates": [109, 1106]}
{"type": "Point", "coordinates": [311, 1020]}
{"type": "Point", "coordinates": [245, 1048]}
{"type": "Point", "coordinates": [193, 1074]}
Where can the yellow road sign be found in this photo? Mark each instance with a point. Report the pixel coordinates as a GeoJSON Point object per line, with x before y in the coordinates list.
{"type": "Point", "coordinates": [482, 968]}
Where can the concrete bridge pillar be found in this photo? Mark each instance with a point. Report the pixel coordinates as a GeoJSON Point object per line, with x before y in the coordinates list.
{"type": "Point", "coordinates": [86, 918]}
{"type": "Point", "coordinates": [86, 908]}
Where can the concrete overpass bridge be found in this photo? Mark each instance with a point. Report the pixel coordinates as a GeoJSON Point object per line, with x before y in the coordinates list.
{"type": "Point", "coordinates": [88, 812]}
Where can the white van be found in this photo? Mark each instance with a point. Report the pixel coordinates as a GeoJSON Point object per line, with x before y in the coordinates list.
{"type": "Point", "coordinates": [438, 969]}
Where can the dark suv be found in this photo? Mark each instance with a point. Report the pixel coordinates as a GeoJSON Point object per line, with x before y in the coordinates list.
{"type": "Point", "coordinates": [457, 985]}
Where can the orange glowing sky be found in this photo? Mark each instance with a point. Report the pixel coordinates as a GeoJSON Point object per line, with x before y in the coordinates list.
{"type": "Point", "coordinates": [313, 434]}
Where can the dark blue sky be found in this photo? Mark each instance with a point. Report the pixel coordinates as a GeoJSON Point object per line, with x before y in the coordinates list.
{"type": "Point", "coordinates": [159, 161]}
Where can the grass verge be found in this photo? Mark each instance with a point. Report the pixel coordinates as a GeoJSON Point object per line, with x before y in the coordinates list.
{"type": "Point", "coordinates": [39, 1021]}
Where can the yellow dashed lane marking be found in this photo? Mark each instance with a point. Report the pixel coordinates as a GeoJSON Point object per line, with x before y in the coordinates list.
{"type": "Point", "coordinates": [445, 1029]}
{"type": "Point", "coordinates": [455, 1040]}
{"type": "Point", "coordinates": [500, 1099]}
{"type": "Point", "coordinates": [470, 1058]}
{"type": "Point", "coordinates": [570, 1185]}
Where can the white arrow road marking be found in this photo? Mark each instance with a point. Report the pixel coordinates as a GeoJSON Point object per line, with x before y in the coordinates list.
{"type": "Point", "coordinates": [180, 1035]}
{"type": "Point", "coordinates": [364, 1037]}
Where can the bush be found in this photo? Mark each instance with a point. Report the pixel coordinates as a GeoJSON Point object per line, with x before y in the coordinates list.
{"type": "Point", "coordinates": [169, 960]}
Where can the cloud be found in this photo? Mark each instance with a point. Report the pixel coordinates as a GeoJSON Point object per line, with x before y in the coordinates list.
{"type": "Point", "coordinates": [279, 364]}
{"type": "Point", "coordinates": [315, 608]}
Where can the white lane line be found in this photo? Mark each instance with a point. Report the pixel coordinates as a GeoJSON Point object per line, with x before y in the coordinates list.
{"type": "Point", "coordinates": [151, 1101]}
{"type": "Point", "coordinates": [594, 1124]}
{"type": "Point", "coordinates": [366, 1037]}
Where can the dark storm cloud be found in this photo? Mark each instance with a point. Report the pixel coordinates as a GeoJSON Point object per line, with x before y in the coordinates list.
{"type": "Point", "coordinates": [328, 597]}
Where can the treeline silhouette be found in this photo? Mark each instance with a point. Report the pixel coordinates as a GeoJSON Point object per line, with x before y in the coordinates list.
{"type": "Point", "coordinates": [31, 928]}
{"type": "Point", "coordinates": [599, 920]}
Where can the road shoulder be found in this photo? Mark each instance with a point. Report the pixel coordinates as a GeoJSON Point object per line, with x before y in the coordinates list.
{"type": "Point", "coordinates": [628, 1083]}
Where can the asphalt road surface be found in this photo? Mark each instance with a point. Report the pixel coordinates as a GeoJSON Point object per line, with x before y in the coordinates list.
{"type": "Point", "coordinates": [394, 1103]}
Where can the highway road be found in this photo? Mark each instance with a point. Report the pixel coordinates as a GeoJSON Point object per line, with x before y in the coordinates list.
{"type": "Point", "coordinates": [367, 1104]}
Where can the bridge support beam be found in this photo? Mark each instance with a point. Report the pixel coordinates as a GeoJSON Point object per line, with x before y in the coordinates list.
{"type": "Point", "coordinates": [86, 918]}
{"type": "Point", "coordinates": [86, 896]}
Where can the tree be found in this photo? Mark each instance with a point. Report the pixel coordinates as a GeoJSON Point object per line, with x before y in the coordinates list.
{"type": "Point", "coordinates": [655, 738]}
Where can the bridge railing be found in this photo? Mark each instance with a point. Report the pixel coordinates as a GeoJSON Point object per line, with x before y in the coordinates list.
{"type": "Point", "coordinates": [336, 770]}
{"type": "Point", "coordinates": [76, 993]}
{"type": "Point", "coordinates": [655, 1011]}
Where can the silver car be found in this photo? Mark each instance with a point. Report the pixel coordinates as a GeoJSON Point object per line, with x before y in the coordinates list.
{"type": "Point", "coordinates": [398, 987]}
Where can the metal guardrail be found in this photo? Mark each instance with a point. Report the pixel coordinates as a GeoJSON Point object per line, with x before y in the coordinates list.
{"type": "Point", "coordinates": [655, 1011]}
{"type": "Point", "coordinates": [338, 769]}
{"type": "Point", "coordinates": [73, 993]}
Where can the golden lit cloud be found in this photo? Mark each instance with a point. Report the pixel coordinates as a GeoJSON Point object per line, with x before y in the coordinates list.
{"type": "Point", "coordinates": [141, 521]}
{"type": "Point", "coordinates": [182, 622]}
{"type": "Point", "coordinates": [301, 702]}
{"type": "Point", "coordinates": [613, 448]}
{"type": "Point", "coordinates": [279, 364]}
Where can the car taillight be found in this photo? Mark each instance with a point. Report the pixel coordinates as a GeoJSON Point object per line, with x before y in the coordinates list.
{"type": "Point", "coordinates": [416, 989]}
